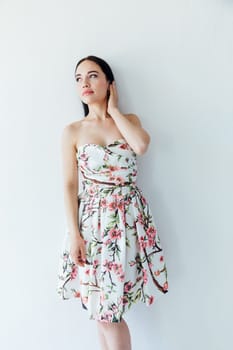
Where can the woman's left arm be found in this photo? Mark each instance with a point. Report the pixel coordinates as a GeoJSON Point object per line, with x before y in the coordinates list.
{"type": "Point", "coordinates": [129, 125]}
{"type": "Point", "coordinates": [132, 130]}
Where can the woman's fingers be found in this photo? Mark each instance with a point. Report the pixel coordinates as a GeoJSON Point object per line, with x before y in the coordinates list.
{"type": "Point", "coordinates": [82, 256]}
{"type": "Point", "coordinates": [78, 253]}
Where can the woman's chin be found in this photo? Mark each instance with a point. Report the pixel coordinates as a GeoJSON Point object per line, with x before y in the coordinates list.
{"type": "Point", "coordinates": [92, 100]}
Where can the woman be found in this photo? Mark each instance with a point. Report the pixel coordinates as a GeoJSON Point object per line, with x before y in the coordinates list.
{"type": "Point", "coordinates": [111, 257]}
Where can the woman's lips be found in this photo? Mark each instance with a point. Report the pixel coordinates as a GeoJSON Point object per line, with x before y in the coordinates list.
{"type": "Point", "coordinates": [87, 93]}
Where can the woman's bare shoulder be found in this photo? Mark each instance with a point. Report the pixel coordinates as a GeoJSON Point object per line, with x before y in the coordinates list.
{"type": "Point", "coordinates": [70, 133]}
{"type": "Point", "coordinates": [74, 127]}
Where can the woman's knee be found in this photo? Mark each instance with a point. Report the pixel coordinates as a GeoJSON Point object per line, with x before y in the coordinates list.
{"type": "Point", "coordinates": [109, 325]}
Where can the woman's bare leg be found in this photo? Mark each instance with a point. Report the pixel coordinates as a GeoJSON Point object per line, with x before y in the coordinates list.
{"type": "Point", "coordinates": [115, 336]}
{"type": "Point", "coordinates": [101, 337]}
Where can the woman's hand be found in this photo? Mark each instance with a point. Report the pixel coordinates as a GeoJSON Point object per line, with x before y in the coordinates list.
{"type": "Point", "coordinates": [113, 98]}
{"type": "Point", "coordinates": [78, 251]}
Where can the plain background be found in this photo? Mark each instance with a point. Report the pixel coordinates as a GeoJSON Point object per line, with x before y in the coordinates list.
{"type": "Point", "coordinates": [173, 63]}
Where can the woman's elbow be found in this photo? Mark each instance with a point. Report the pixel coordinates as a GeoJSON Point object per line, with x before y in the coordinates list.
{"type": "Point", "coordinates": [143, 146]}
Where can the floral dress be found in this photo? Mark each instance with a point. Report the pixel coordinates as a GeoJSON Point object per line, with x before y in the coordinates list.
{"type": "Point", "coordinates": [124, 258]}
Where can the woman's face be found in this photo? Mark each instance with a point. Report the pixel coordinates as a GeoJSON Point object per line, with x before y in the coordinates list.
{"type": "Point", "coordinates": [91, 78]}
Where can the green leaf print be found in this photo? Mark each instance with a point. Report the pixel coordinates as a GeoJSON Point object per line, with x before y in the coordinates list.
{"type": "Point", "coordinates": [138, 295]}
{"type": "Point", "coordinates": [118, 255]}
{"type": "Point", "coordinates": [127, 242]}
{"type": "Point", "coordinates": [114, 319]}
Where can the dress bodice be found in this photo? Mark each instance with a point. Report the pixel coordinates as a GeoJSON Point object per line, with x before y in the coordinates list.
{"type": "Point", "coordinates": [113, 164]}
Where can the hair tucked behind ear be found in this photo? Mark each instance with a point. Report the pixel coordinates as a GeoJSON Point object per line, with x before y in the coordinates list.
{"type": "Point", "coordinates": [105, 68]}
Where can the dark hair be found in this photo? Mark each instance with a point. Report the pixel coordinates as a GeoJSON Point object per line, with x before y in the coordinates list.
{"type": "Point", "coordinates": [104, 67]}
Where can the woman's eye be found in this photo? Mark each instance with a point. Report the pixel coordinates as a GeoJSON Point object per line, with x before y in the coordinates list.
{"type": "Point", "coordinates": [91, 75]}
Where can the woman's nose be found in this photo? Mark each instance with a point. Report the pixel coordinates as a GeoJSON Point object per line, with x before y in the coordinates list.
{"type": "Point", "coordinates": [85, 82]}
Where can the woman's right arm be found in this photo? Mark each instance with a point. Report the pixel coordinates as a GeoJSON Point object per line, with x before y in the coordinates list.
{"type": "Point", "coordinates": [70, 184]}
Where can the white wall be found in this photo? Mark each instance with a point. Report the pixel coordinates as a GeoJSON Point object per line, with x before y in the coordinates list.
{"type": "Point", "coordinates": [173, 66]}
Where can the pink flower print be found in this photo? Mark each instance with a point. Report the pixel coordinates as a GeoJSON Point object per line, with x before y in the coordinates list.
{"type": "Point", "coordinates": [142, 243]}
{"type": "Point", "coordinates": [105, 156]}
{"type": "Point", "coordinates": [117, 196]}
{"type": "Point", "coordinates": [84, 156]}
{"type": "Point", "coordinates": [161, 258]}
{"type": "Point", "coordinates": [128, 286]}
{"type": "Point", "coordinates": [93, 272]}
{"type": "Point", "coordinates": [151, 231]}
{"type": "Point", "coordinates": [132, 263]}
{"type": "Point", "coordinates": [108, 316]}
{"type": "Point", "coordinates": [89, 208]}
{"type": "Point", "coordinates": [113, 168]}
{"type": "Point", "coordinates": [121, 206]}
{"type": "Point", "coordinates": [117, 268]}
{"type": "Point", "coordinates": [151, 299]}
{"type": "Point", "coordinates": [143, 199]}
{"type": "Point", "coordinates": [119, 180]}
{"type": "Point", "coordinates": [121, 277]}
{"type": "Point", "coordinates": [127, 201]}
{"type": "Point", "coordinates": [123, 218]}
{"type": "Point", "coordinates": [144, 276]}
{"type": "Point", "coordinates": [114, 309]}
{"type": "Point", "coordinates": [95, 263]}
{"type": "Point", "coordinates": [151, 242]}
{"type": "Point", "coordinates": [112, 206]}
{"type": "Point", "coordinates": [124, 300]}
{"type": "Point", "coordinates": [157, 272]}
{"type": "Point", "coordinates": [92, 189]}
{"type": "Point", "coordinates": [120, 269]}
{"type": "Point", "coordinates": [77, 294]}
{"type": "Point", "coordinates": [115, 233]}
{"type": "Point", "coordinates": [65, 257]}
{"type": "Point", "coordinates": [74, 272]}
{"type": "Point", "coordinates": [165, 286]}
{"type": "Point", "coordinates": [114, 266]}
{"type": "Point", "coordinates": [124, 146]}
{"type": "Point", "coordinates": [87, 272]}
{"type": "Point", "coordinates": [107, 242]}
{"type": "Point", "coordinates": [150, 265]}
{"type": "Point", "coordinates": [108, 265]}
{"type": "Point", "coordinates": [140, 218]}
{"type": "Point", "coordinates": [103, 203]}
